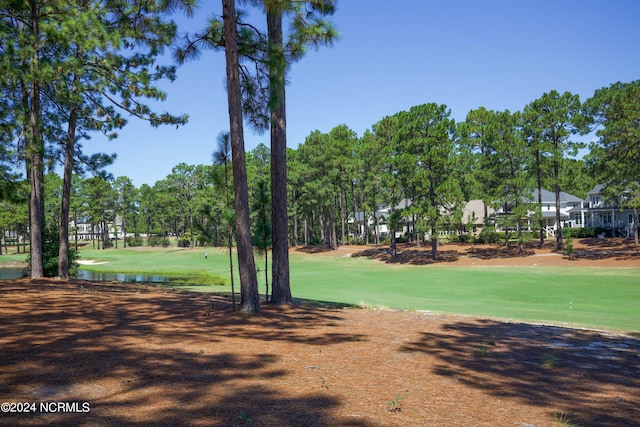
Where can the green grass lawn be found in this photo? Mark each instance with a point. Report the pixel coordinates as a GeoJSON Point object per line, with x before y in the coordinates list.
{"type": "Point", "coordinates": [11, 258]}
{"type": "Point", "coordinates": [594, 297]}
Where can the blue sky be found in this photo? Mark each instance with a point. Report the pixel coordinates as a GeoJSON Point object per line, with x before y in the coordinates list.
{"type": "Point", "coordinates": [500, 54]}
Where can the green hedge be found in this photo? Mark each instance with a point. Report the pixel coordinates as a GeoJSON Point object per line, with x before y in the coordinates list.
{"type": "Point", "coordinates": [586, 232]}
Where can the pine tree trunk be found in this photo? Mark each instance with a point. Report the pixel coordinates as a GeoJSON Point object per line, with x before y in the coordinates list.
{"type": "Point", "coordinates": [306, 231]}
{"type": "Point", "coordinates": [333, 228]}
{"type": "Point", "coordinates": [323, 235]}
{"type": "Point", "coordinates": [250, 299]}
{"type": "Point", "coordinates": [35, 153]}
{"type": "Point", "coordinates": [294, 240]}
{"type": "Point", "coordinates": [280, 286]}
{"type": "Point", "coordinates": [635, 226]}
{"type": "Point", "coordinates": [342, 218]}
{"type": "Point", "coordinates": [63, 251]}
{"type": "Point", "coordinates": [558, 219]}
{"type": "Point", "coordinates": [539, 172]}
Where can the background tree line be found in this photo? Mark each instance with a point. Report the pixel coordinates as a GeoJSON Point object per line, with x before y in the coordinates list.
{"type": "Point", "coordinates": [73, 67]}
{"type": "Point", "coordinates": [337, 180]}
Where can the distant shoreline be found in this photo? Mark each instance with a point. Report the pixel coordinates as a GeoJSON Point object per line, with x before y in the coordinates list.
{"type": "Point", "coordinates": [13, 264]}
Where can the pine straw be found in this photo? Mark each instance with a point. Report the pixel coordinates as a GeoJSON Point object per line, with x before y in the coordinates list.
{"type": "Point", "coordinates": [142, 355]}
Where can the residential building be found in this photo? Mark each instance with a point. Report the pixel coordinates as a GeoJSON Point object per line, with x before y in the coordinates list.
{"type": "Point", "coordinates": [598, 211]}
{"type": "Point", "coordinates": [594, 211]}
{"type": "Point", "coordinates": [548, 210]}
{"type": "Point", "coordinates": [94, 231]}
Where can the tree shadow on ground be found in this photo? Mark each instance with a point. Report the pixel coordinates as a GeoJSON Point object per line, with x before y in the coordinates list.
{"type": "Point", "coordinates": [592, 376]}
{"type": "Point", "coordinates": [317, 249]}
{"type": "Point", "coordinates": [140, 359]}
{"type": "Point", "coordinates": [408, 256]}
{"type": "Point", "coordinates": [409, 253]}
{"type": "Point", "coordinates": [499, 251]}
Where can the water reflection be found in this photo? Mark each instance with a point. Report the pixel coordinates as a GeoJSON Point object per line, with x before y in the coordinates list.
{"type": "Point", "coordinates": [7, 273]}
{"type": "Point", "coordinates": [97, 276]}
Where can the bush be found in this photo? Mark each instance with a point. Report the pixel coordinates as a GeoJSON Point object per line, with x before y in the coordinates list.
{"type": "Point", "coordinates": [50, 250]}
{"type": "Point", "coordinates": [133, 241]}
{"type": "Point", "coordinates": [158, 241]}
{"type": "Point", "coordinates": [490, 236]}
{"type": "Point", "coordinates": [586, 232]}
{"type": "Point", "coordinates": [465, 238]}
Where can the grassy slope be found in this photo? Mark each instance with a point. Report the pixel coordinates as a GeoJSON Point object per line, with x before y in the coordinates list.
{"type": "Point", "coordinates": [12, 258]}
{"type": "Point", "coordinates": [592, 297]}
{"type": "Point", "coordinates": [596, 297]}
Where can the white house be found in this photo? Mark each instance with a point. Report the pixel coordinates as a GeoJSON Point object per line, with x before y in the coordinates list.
{"type": "Point", "coordinates": [597, 211]}
{"type": "Point", "coordinates": [594, 211]}
{"type": "Point", "coordinates": [88, 231]}
{"type": "Point", "coordinates": [548, 209]}
{"type": "Point", "coordinates": [472, 216]}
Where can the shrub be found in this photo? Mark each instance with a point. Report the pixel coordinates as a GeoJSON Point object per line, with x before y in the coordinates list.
{"type": "Point", "coordinates": [490, 236]}
{"type": "Point", "coordinates": [586, 232]}
{"type": "Point", "coordinates": [158, 241]}
{"type": "Point", "coordinates": [133, 241]}
{"type": "Point", "coordinates": [465, 238]}
{"type": "Point", "coordinates": [50, 250]}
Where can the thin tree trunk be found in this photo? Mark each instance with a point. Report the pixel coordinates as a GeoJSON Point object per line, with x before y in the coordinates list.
{"type": "Point", "coordinates": [355, 213]}
{"type": "Point", "coordinates": [434, 242]}
{"type": "Point", "coordinates": [558, 223]}
{"type": "Point", "coordinates": [124, 230]}
{"type": "Point", "coordinates": [333, 228]}
{"type": "Point", "coordinates": [342, 217]}
{"type": "Point", "coordinates": [392, 226]}
{"type": "Point", "coordinates": [294, 240]}
{"type": "Point", "coordinates": [115, 229]}
{"type": "Point", "coordinates": [250, 299]}
{"type": "Point", "coordinates": [280, 283]}
{"type": "Point", "coordinates": [36, 175]}
{"type": "Point", "coordinates": [539, 177]}
{"type": "Point", "coordinates": [63, 251]}
{"type": "Point", "coordinates": [230, 235]}
{"type": "Point", "coordinates": [306, 231]}
{"type": "Point", "coordinates": [635, 226]}
{"type": "Point", "coordinates": [34, 148]}
{"type": "Point", "coordinates": [75, 228]}
{"type": "Point", "coordinates": [323, 237]}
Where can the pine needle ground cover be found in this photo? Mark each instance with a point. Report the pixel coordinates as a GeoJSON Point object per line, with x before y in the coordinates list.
{"type": "Point", "coordinates": [151, 356]}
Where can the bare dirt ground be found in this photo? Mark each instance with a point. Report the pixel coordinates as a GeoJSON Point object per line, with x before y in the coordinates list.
{"type": "Point", "coordinates": [119, 354]}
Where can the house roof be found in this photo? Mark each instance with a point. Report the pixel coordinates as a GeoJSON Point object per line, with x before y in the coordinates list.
{"type": "Point", "coordinates": [596, 190]}
{"type": "Point", "coordinates": [475, 208]}
{"type": "Point", "coordinates": [552, 215]}
{"type": "Point", "coordinates": [550, 197]}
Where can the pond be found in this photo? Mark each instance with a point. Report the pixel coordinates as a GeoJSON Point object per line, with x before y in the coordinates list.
{"type": "Point", "coordinates": [7, 273]}
{"type": "Point", "coordinates": [97, 276]}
